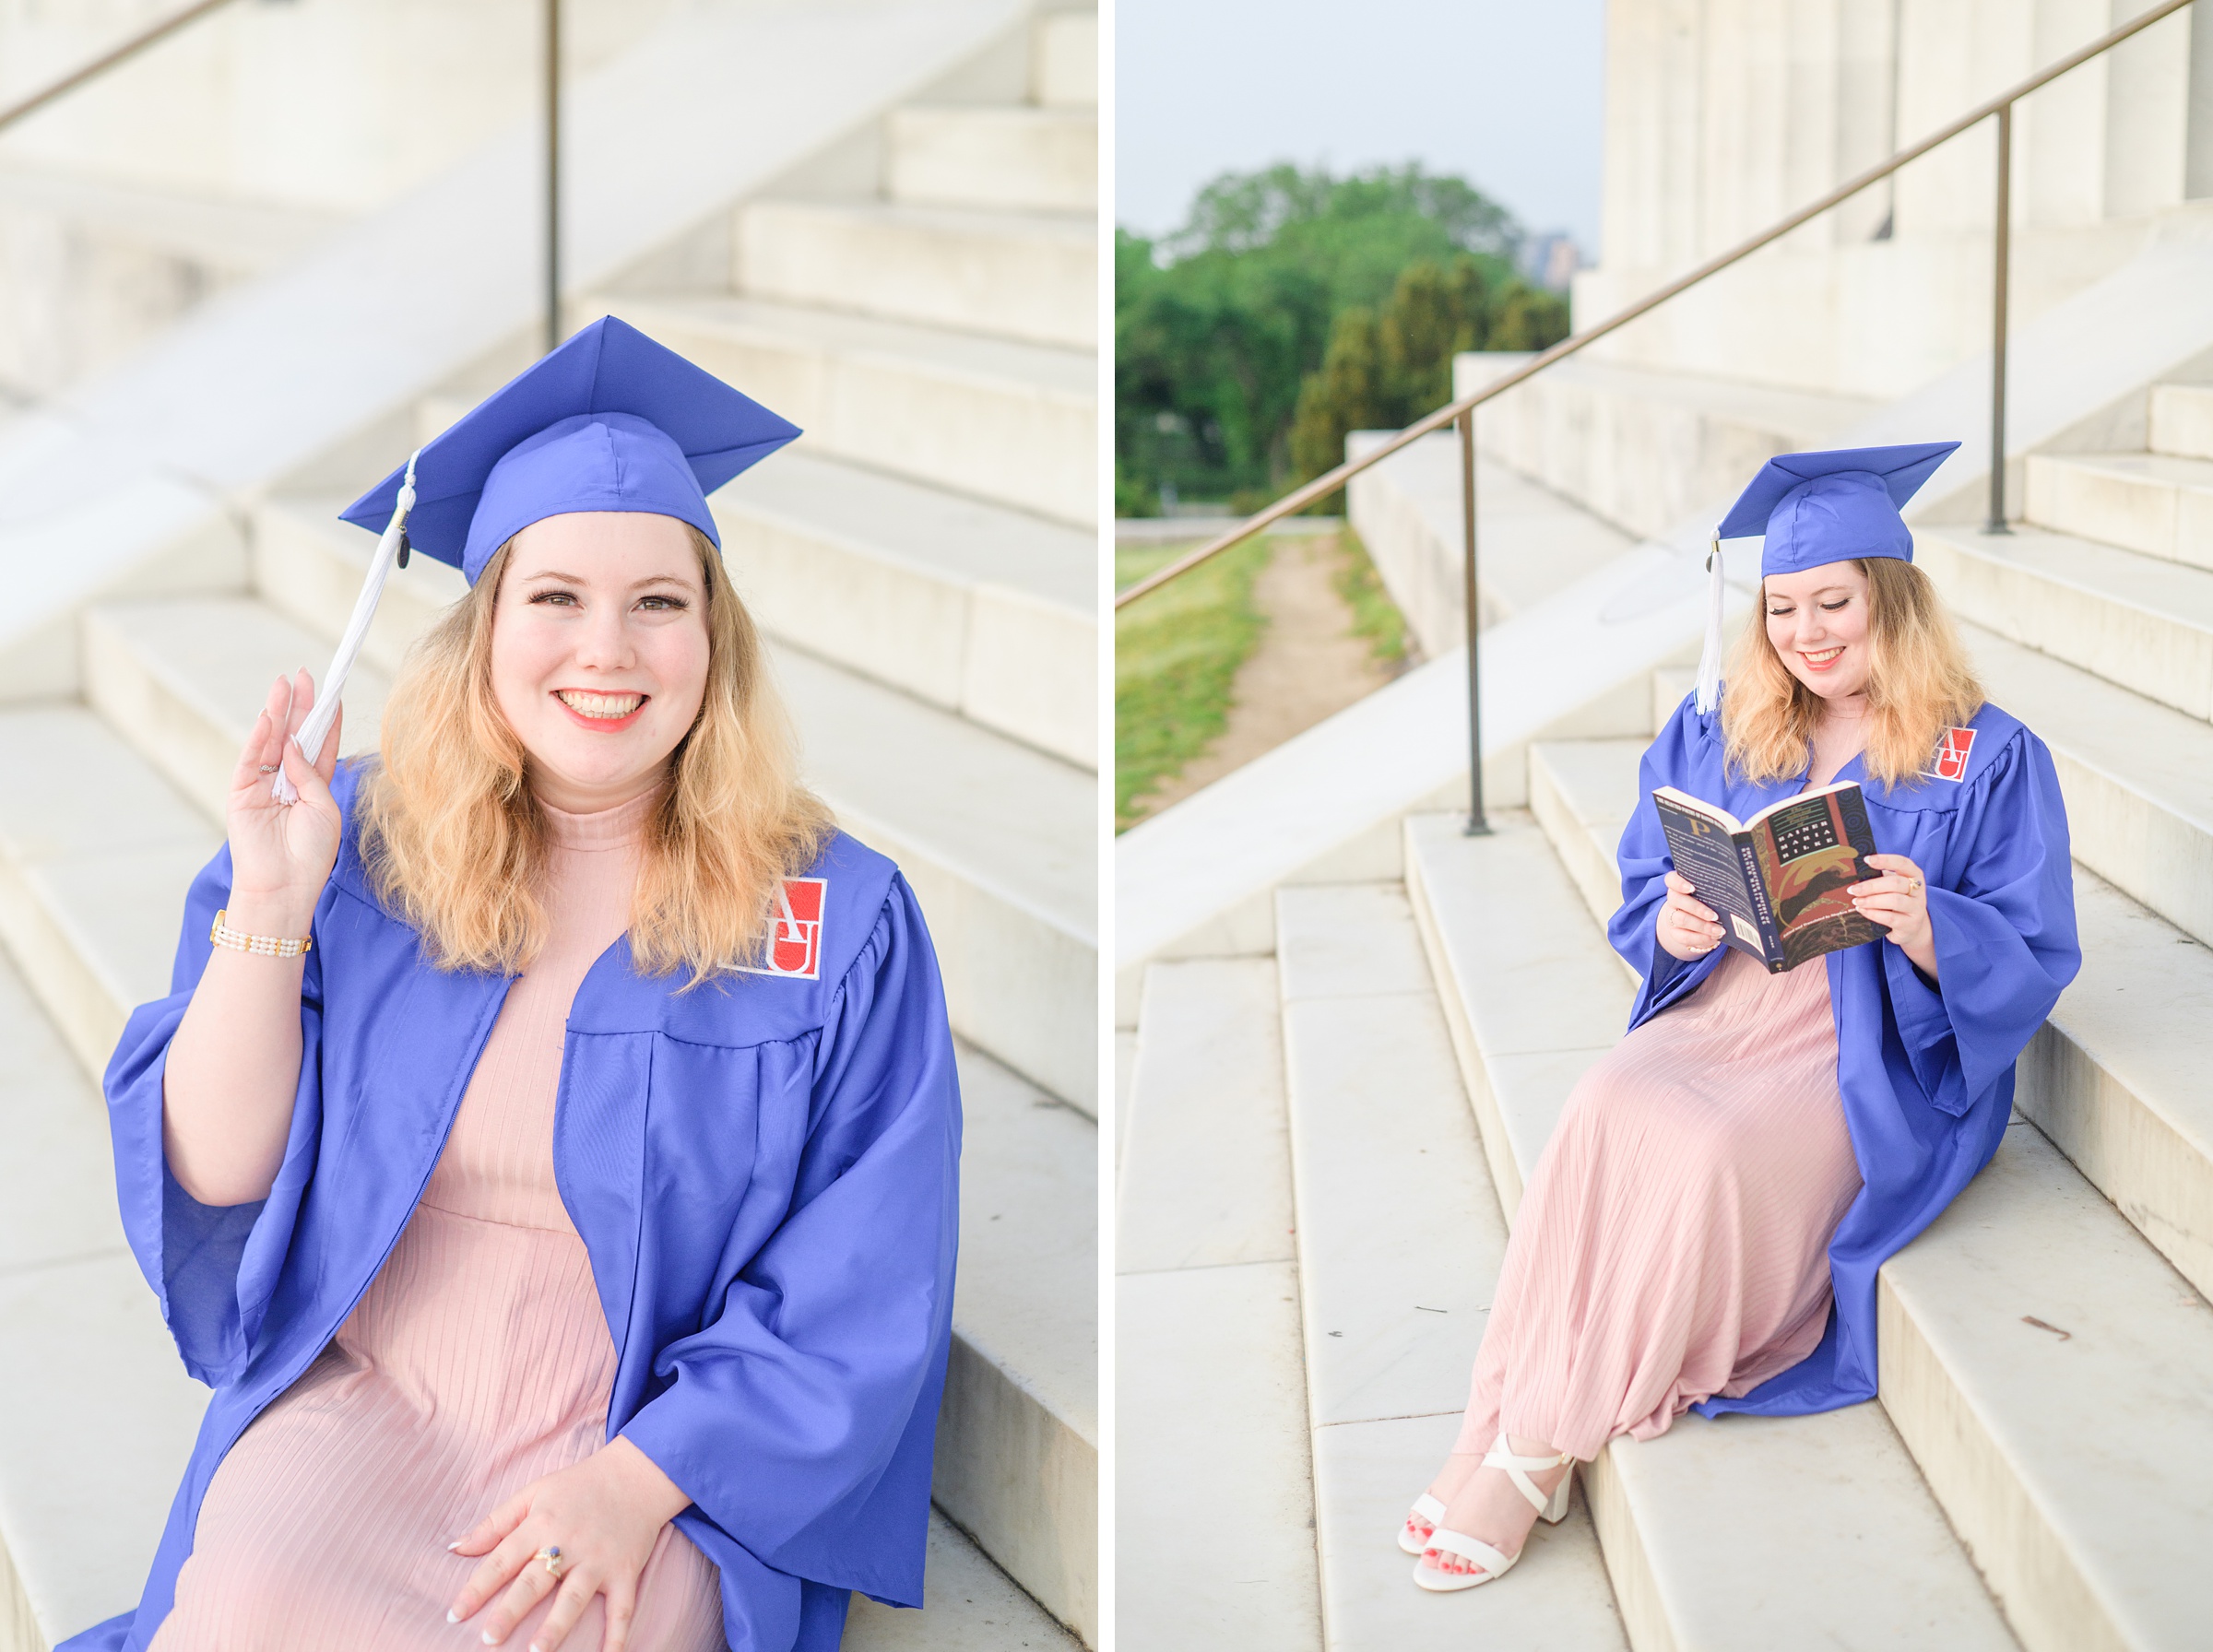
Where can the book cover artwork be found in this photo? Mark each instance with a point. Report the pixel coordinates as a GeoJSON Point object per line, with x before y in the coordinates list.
{"type": "Point", "coordinates": [1781, 879]}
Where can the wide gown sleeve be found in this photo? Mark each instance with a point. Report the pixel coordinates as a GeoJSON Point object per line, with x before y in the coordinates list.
{"type": "Point", "coordinates": [213, 1268]}
{"type": "Point", "coordinates": [782, 1413]}
{"type": "Point", "coordinates": [2002, 911]}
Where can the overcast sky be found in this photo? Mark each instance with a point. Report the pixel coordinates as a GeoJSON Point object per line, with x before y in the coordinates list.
{"type": "Point", "coordinates": [1506, 94]}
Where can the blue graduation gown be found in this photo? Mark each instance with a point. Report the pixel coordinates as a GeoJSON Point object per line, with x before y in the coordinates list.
{"type": "Point", "coordinates": [1926, 1072]}
{"type": "Point", "coordinates": [763, 1172]}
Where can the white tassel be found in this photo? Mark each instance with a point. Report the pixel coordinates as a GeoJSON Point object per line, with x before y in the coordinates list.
{"type": "Point", "coordinates": [316, 729]}
{"type": "Point", "coordinates": [1708, 692]}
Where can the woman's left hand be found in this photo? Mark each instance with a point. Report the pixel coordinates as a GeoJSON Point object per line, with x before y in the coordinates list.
{"type": "Point", "coordinates": [604, 1513]}
{"type": "Point", "coordinates": [1899, 900]}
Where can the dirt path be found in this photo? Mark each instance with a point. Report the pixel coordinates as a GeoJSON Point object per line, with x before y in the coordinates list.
{"type": "Point", "coordinates": [1308, 665]}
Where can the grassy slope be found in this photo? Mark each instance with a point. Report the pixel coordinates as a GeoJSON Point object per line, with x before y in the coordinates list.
{"type": "Point", "coordinates": [1174, 655]}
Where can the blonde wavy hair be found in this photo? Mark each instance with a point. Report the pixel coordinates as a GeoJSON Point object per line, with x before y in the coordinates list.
{"type": "Point", "coordinates": [1919, 684]}
{"type": "Point", "coordinates": [454, 841]}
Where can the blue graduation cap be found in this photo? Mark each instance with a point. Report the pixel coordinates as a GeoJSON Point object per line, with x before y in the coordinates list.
{"type": "Point", "coordinates": [1815, 509]}
{"type": "Point", "coordinates": [609, 421]}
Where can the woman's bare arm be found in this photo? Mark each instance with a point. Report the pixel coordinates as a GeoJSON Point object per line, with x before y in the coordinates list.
{"type": "Point", "coordinates": [234, 1067]}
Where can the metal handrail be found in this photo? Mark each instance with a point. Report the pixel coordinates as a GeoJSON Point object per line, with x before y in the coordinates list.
{"type": "Point", "coordinates": [106, 61]}
{"type": "Point", "coordinates": [1462, 411]}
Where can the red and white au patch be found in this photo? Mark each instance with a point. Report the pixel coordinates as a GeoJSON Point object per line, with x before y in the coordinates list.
{"type": "Point", "coordinates": [795, 937]}
{"type": "Point", "coordinates": [1951, 755]}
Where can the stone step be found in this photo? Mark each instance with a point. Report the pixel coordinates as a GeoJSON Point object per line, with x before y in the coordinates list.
{"type": "Point", "coordinates": [1720, 1534]}
{"type": "Point", "coordinates": [2115, 1078]}
{"type": "Point", "coordinates": [84, 1488]}
{"type": "Point", "coordinates": [309, 566]}
{"type": "Point", "coordinates": [1008, 421]}
{"type": "Point", "coordinates": [1064, 61]}
{"type": "Point", "coordinates": [1005, 159]}
{"type": "Point", "coordinates": [2141, 622]}
{"type": "Point", "coordinates": [972, 606]}
{"type": "Point", "coordinates": [1399, 1241]}
{"type": "Point", "coordinates": [1529, 541]}
{"type": "Point", "coordinates": [1018, 1457]}
{"type": "Point", "coordinates": [2153, 502]}
{"type": "Point", "coordinates": [1008, 275]}
{"type": "Point", "coordinates": [2137, 777]}
{"type": "Point", "coordinates": [1214, 1497]}
{"type": "Point", "coordinates": [183, 677]}
{"type": "Point", "coordinates": [968, 1605]}
{"type": "Point", "coordinates": [93, 870]}
{"type": "Point", "coordinates": [2016, 1333]}
{"type": "Point", "coordinates": [999, 842]}
{"type": "Point", "coordinates": [2180, 421]}
{"type": "Point", "coordinates": [1641, 448]}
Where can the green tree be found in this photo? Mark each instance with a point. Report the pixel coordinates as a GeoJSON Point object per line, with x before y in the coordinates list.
{"type": "Point", "coordinates": [1220, 327]}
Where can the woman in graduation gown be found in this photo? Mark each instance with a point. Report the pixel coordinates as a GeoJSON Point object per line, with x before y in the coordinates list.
{"type": "Point", "coordinates": [1704, 1227]}
{"type": "Point", "coordinates": [568, 1233]}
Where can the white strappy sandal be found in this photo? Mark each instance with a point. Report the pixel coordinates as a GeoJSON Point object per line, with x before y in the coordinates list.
{"type": "Point", "coordinates": [1428, 1511]}
{"type": "Point", "coordinates": [1551, 1509]}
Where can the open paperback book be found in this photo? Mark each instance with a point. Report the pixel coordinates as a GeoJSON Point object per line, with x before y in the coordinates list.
{"type": "Point", "coordinates": [1780, 879]}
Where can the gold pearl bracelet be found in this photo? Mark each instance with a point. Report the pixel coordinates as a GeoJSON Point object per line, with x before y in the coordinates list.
{"type": "Point", "coordinates": [265, 946]}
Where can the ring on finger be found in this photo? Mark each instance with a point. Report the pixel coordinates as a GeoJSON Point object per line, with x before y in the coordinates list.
{"type": "Point", "coordinates": [271, 768]}
{"type": "Point", "coordinates": [551, 1557]}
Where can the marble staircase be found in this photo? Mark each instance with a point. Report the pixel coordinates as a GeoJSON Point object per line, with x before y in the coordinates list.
{"type": "Point", "coordinates": [932, 622]}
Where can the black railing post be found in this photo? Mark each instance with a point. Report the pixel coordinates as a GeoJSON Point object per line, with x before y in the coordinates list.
{"type": "Point", "coordinates": [553, 175]}
{"type": "Point", "coordinates": [1477, 825]}
{"type": "Point", "coordinates": [2003, 238]}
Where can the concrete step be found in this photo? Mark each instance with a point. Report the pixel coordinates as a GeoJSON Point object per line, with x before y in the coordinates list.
{"type": "Point", "coordinates": [999, 842]}
{"type": "Point", "coordinates": [1008, 275]}
{"type": "Point", "coordinates": [2137, 777]}
{"type": "Point", "coordinates": [309, 566]}
{"type": "Point", "coordinates": [968, 1605]}
{"type": "Point", "coordinates": [2181, 420]}
{"type": "Point", "coordinates": [1064, 63]}
{"type": "Point", "coordinates": [93, 870]}
{"type": "Point", "coordinates": [2156, 503]}
{"type": "Point", "coordinates": [980, 609]}
{"type": "Point", "coordinates": [1214, 1497]}
{"type": "Point", "coordinates": [183, 677]}
{"type": "Point", "coordinates": [2141, 622]}
{"type": "Point", "coordinates": [2017, 1334]}
{"type": "Point", "coordinates": [1720, 1534]}
{"type": "Point", "coordinates": [1530, 542]}
{"type": "Point", "coordinates": [1008, 421]}
{"type": "Point", "coordinates": [1018, 1457]}
{"type": "Point", "coordinates": [2115, 1078]}
{"type": "Point", "coordinates": [1006, 159]}
{"type": "Point", "coordinates": [1640, 448]}
{"type": "Point", "coordinates": [972, 606]}
{"type": "Point", "coordinates": [1399, 1241]}
{"type": "Point", "coordinates": [85, 1488]}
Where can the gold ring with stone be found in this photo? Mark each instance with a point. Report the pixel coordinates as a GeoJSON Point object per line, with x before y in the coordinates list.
{"type": "Point", "coordinates": [551, 1555]}
{"type": "Point", "coordinates": [1913, 886]}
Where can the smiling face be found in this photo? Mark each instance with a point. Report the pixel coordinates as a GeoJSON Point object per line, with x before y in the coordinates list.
{"type": "Point", "coordinates": [1817, 625]}
{"type": "Point", "coordinates": [600, 652]}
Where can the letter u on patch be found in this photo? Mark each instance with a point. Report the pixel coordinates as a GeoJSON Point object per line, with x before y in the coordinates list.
{"type": "Point", "coordinates": [794, 938]}
{"type": "Point", "coordinates": [1951, 755]}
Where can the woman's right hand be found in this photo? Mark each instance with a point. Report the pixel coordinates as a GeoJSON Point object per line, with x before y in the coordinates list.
{"type": "Point", "coordinates": [281, 854]}
{"type": "Point", "coordinates": [1688, 930]}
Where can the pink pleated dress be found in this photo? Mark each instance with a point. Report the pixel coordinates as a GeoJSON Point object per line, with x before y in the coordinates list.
{"type": "Point", "coordinates": [478, 1361]}
{"type": "Point", "coordinates": [1673, 1242]}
